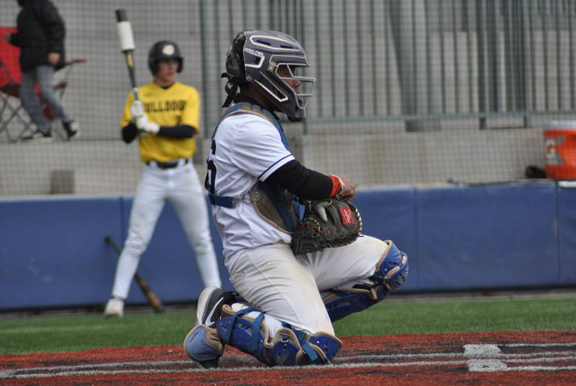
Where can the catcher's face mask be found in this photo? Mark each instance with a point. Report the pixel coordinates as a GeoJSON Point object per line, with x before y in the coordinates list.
{"type": "Point", "coordinates": [273, 62]}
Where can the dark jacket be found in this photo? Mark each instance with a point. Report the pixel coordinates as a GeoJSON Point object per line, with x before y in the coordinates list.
{"type": "Point", "coordinates": [41, 30]}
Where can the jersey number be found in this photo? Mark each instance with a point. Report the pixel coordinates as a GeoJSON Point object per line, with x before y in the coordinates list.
{"type": "Point", "coordinates": [211, 173]}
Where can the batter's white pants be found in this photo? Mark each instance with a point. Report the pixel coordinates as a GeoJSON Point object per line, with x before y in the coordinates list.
{"type": "Point", "coordinates": [271, 279]}
{"type": "Point", "coordinates": [181, 187]}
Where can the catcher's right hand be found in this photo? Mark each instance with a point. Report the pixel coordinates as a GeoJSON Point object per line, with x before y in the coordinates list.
{"type": "Point", "coordinates": [349, 190]}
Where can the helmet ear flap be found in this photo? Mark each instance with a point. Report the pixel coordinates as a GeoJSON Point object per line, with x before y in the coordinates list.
{"type": "Point", "coordinates": [235, 59]}
{"type": "Point", "coordinates": [235, 71]}
{"type": "Point", "coordinates": [235, 66]}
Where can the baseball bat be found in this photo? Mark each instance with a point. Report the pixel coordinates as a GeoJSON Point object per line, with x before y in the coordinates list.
{"type": "Point", "coordinates": [127, 45]}
{"type": "Point", "coordinates": [153, 299]}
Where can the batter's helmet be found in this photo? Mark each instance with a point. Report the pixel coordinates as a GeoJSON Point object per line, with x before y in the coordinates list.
{"type": "Point", "coordinates": [163, 50]}
{"type": "Point", "coordinates": [256, 56]}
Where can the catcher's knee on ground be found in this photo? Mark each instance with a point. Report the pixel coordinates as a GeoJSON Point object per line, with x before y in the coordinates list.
{"type": "Point", "coordinates": [391, 273]}
{"type": "Point", "coordinates": [203, 346]}
{"type": "Point", "coordinates": [288, 347]}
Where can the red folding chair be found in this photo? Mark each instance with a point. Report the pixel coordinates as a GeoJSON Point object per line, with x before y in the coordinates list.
{"type": "Point", "coordinates": [12, 113]}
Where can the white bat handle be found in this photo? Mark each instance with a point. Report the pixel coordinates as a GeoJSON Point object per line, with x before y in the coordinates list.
{"type": "Point", "coordinates": [125, 36]}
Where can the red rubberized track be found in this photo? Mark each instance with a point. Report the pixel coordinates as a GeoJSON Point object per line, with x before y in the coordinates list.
{"type": "Point", "coordinates": [546, 358]}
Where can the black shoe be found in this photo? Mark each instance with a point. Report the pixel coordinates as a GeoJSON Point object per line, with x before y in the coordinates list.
{"type": "Point", "coordinates": [210, 304]}
{"type": "Point", "coordinates": [39, 135]}
{"type": "Point", "coordinates": [72, 130]}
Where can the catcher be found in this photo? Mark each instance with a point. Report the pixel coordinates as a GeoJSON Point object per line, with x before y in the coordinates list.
{"type": "Point", "coordinates": [293, 278]}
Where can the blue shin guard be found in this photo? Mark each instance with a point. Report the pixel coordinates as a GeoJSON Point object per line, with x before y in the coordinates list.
{"type": "Point", "coordinates": [341, 303]}
{"type": "Point", "coordinates": [247, 335]}
{"type": "Point", "coordinates": [288, 347]}
{"type": "Point", "coordinates": [391, 273]}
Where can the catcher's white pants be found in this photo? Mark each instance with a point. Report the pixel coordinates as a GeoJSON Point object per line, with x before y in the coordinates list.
{"type": "Point", "coordinates": [181, 187]}
{"type": "Point", "coordinates": [271, 279]}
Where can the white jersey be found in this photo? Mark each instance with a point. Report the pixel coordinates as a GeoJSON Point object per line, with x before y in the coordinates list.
{"type": "Point", "coordinates": [248, 148]}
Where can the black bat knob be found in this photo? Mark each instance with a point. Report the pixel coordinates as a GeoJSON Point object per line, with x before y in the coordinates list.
{"type": "Point", "coordinates": [121, 15]}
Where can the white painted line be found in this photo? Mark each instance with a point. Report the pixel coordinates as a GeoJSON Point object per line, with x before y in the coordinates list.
{"type": "Point", "coordinates": [537, 360]}
{"type": "Point", "coordinates": [542, 368]}
{"type": "Point", "coordinates": [396, 356]}
{"type": "Point", "coordinates": [478, 358]}
{"type": "Point", "coordinates": [537, 344]}
{"type": "Point", "coordinates": [13, 374]}
{"type": "Point", "coordinates": [53, 371]}
{"type": "Point", "coordinates": [509, 358]}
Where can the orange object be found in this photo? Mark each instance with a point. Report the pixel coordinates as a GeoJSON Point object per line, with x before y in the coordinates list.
{"type": "Point", "coordinates": [560, 150]}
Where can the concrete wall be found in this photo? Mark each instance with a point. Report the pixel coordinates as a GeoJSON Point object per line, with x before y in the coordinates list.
{"type": "Point", "coordinates": [102, 167]}
{"type": "Point", "coordinates": [375, 152]}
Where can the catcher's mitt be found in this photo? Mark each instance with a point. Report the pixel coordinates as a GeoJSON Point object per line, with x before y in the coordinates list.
{"type": "Point", "coordinates": [327, 224]}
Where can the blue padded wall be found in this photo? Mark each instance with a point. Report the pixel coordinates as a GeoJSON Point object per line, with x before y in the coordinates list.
{"type": "Point", "coordinates": [391, 215]}
{"type": "Point", "coordinates": [53, 254]}
{"type": "Point", "coordinates": [487, 237]}
{"type": "Point", "coordinates": [567, 235]}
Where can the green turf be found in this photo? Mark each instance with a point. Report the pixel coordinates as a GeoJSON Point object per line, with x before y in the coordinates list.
{"type": "Point", "coordinates": [76, 331]}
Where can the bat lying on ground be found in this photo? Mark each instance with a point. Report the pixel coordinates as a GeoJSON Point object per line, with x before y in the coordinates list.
{"type": "Point", "coordinates": [146, 290]}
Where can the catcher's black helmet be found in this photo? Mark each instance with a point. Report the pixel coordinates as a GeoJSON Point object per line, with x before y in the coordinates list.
{"type": "Point", "coordinates": [256, 56]}
{"type": "Point", "coordinates": [162, 50]}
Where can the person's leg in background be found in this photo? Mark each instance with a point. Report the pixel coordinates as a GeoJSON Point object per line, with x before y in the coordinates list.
{"type": "Point", "coordinates": [146, 209]}
{"type": "Point", "coordinates": [45, 78]}
{"type": "Point", "coordinates": [33, 106]}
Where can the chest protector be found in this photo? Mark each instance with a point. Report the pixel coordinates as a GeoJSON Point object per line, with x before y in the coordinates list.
{"type": "Point", "coordinates": [272, 202]}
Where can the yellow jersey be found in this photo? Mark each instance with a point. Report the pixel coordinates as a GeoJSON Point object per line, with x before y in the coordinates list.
{"type": "Point", "coordinates": [176, 105]}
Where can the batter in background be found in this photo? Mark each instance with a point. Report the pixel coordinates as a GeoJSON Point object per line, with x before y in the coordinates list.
{"type": "Point", "coordinates": [287, 303]}
{"type": "Point", "coordinates": [164, 119]}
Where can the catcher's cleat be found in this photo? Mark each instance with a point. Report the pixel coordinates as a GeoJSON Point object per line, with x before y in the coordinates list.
{"type": "Point", "coordinates": [210, 304]}
{"type": "Point", "coordinates": [114, 307]}
{"type": "Point", "coordinates": [203, 346]}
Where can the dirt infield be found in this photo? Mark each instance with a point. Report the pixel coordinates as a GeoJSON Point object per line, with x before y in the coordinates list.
{"type": "Point", "coordinates": [547, 358]}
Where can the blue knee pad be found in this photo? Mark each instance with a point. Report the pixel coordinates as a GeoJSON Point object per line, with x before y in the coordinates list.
{"type": "Point", "coordinates": [391, 273]}
{"type": "Point", "coordinates": [288, 347]}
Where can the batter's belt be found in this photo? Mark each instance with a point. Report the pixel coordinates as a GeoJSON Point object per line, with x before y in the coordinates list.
{"type": "Point", "coordinates": [168, 165]}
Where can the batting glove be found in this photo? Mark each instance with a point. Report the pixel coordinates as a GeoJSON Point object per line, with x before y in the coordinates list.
{"type": "Point", "coordinates": [144, 124]}
{"type": "Point", "coordinates": [137, 109]}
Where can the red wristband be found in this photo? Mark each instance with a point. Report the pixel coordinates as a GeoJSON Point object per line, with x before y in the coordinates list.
{"type": "Point", "coordinates": [337, 185]}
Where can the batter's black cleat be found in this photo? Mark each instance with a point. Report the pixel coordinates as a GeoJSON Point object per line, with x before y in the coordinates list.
{"type": "Point", "coordinates": [210, 304]}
